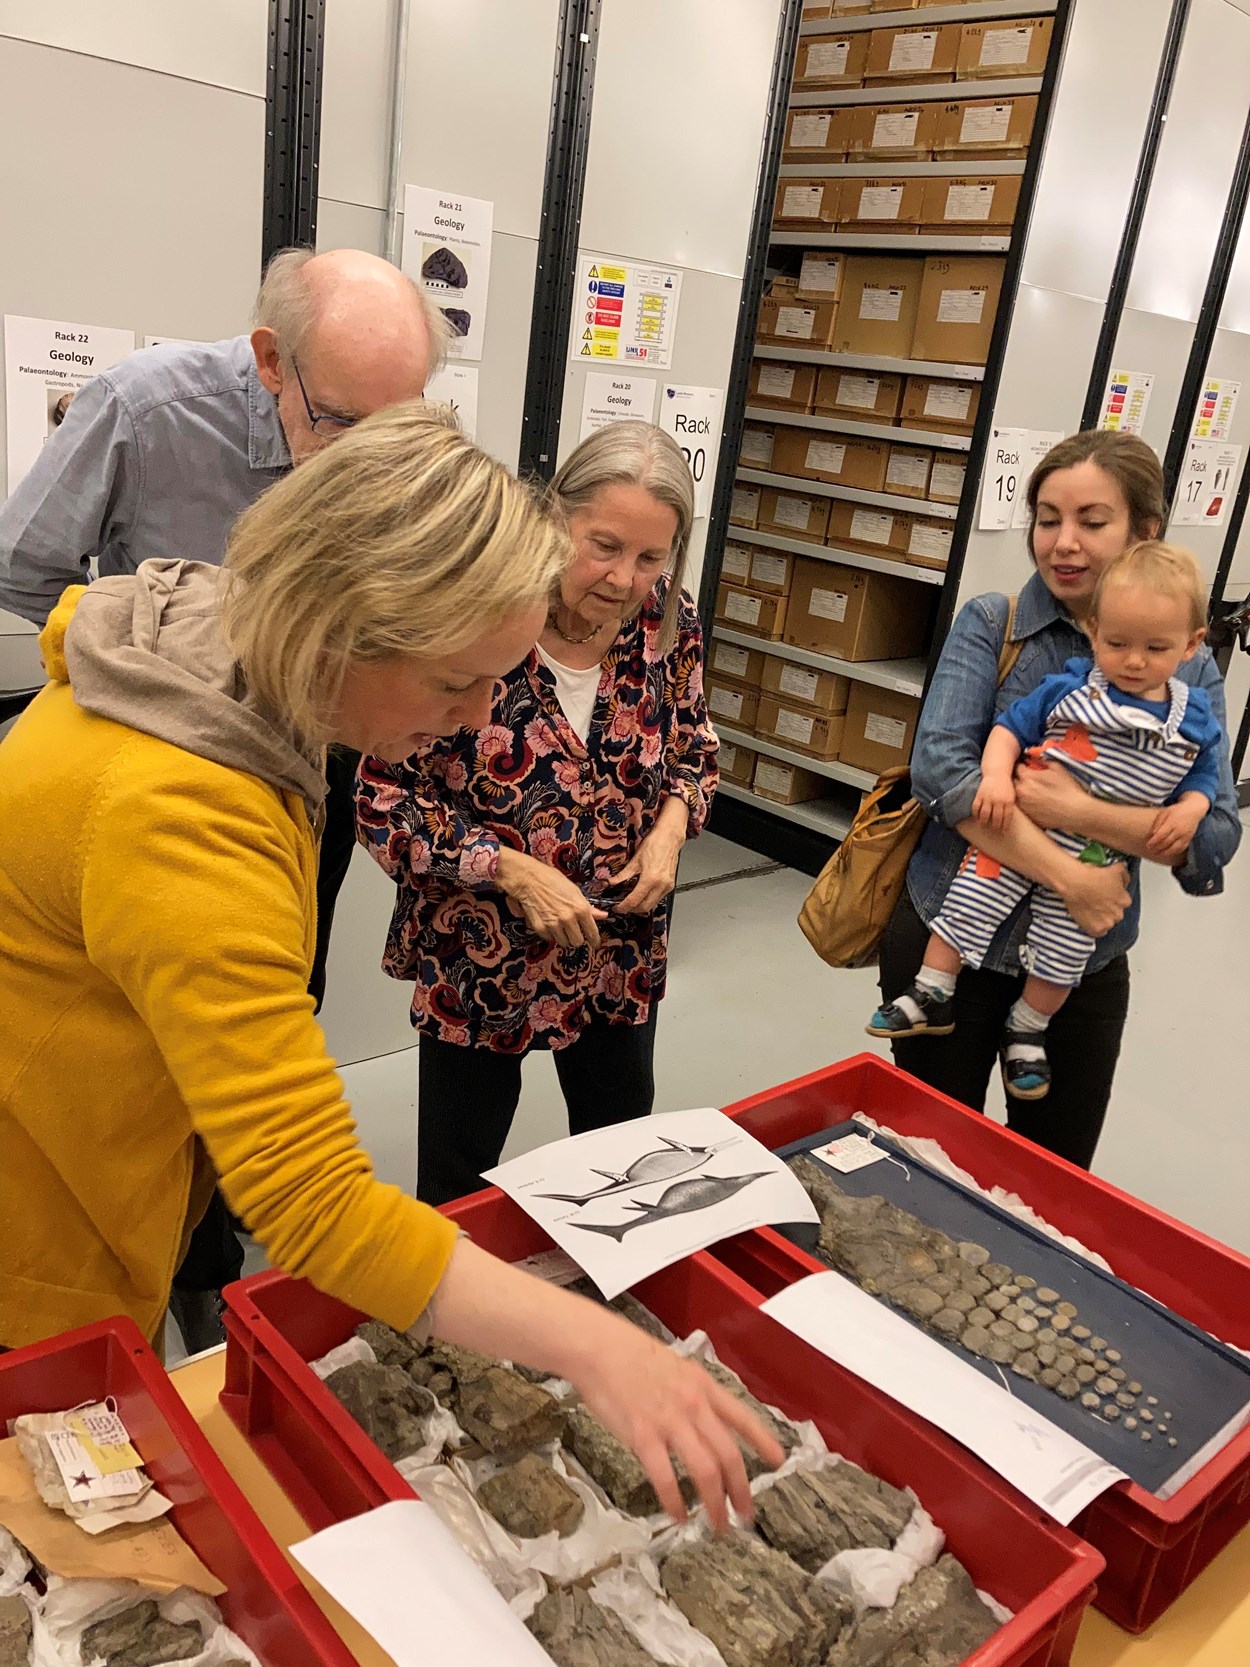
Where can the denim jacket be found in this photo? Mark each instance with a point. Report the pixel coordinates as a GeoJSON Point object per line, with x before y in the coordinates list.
{"type": "Point", "coordinates": [959, 711]}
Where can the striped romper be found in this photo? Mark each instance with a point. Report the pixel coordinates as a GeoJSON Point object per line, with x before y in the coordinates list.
{"type": "Point", "coordinates": [1121, 749]}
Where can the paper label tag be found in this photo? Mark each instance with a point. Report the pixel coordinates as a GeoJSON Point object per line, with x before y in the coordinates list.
{"type": "Point", "coordinates": [776, 381]}
{"type": "Point", "coordinates": [826, 455]}
{"type": "Point", "coordinates": [793, 512]}
{"type": "Point", "coordinates": [827, 58]}
{"type": "Point", "coordinates": [799, 682]}
{"type": "Point", "coordinates": [934, 542]}
{"type": "Point", "coordinates": [793, 726]}
{"type": "Point", "coordinates": [820, 272]}
{"type": "Point", "coordinates": [105, 1438]}
{"type": "Point", "coordinates": [886, 732]}
{"type": "Point", "coordinates": [745, 609]}
{"type": "Point", "coordinates": [852, 1152]}
{"type": "Point", "coordinates": [905, 470]}
{"type": "Point", "coordinates": [726, 703]}
{"type": "Point", "coordinates": [986, 124]}
{"type": "Point", "coordinates": [757, 447]}
{"type": "Point", "coordinates": [859, 393]}
{"type": "Point", "coordinates": [828, 604]}
{"type": "Point", "coordinates": [768, 569]}
{"type": "Point", "coordinates": [913, 50]}
{"type": "Point", "coordinates": [83, 1478]}
{"type": "Point", "coordinates": [557, 1267]}
{"type": "Point", "coordinates": [1006, 46]}
{"type": "Point", "coordinates": [810, 132]}
{"type": "Point", "coordinates": [969, 202]}
{"type": "Point", "coordinates": [961, 306]}
{"type": "Point", "coordinates": [736, 565]}
{"type": "Point", "coordinates": [895, 130]}
{"type": "Point", "coordinates": [871, 526]}
{"type": "Point", "coordinates": [774, 778]}
{"type": "Point", "coordinates": [796, 323]}
{"type": "Point", "coordinates": [727, 759]}
{"type": "Point", "coordinates": [880, 202]}
{"type": "Point", "coordinates": [802, 202]}
{"type": "Point", "coordinates": [883, 305]}
{"type": "Point", "coordinates": [730, 660]}
{"type": "Point", "coordinates": [949, 401]}
{"type": "Point", "coordinates": [947, 480]}
{"type": "Point", "coordinates": [744, 504]}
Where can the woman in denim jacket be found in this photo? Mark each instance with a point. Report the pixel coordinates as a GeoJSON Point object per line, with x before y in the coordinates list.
{"type": "Point", "coordinates": [1090, 497]}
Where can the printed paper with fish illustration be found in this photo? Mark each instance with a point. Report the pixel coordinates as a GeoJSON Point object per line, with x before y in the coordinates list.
{"type": "Point", "coordinates": [630, 1199]}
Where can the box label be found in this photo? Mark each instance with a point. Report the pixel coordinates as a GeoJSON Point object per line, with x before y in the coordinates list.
{"type": "Point", "coordinates": [986, 124]}
{"type": "Point", "coordinates": [736, 565]}
{"type": "Point", "coordinates": [802, 202]}
{"type": "Point", "coordinates": [768, 569]}
{"type": "Point", "coordinates": [757, 447]}
{"type": "Point", "coordinates": [810, 132]}
{"type": "Point", "coordinates": [821, 272]}
{"type": "Point", "coordinates": [907, 471]}
{"type": "Point", "coordinates": [859, 393]}
{"type": "Point", "coordinates": [828, 604]}
{"type": "Point", "coordinates": [880, 202]}
{"type": "Point", "coordinates": [774, 778]}
{"type": "Point", "coordinates": [793, 512]}
{"type": "Point", "coordinates": [826, 455]}
{"type": "Point", "coordinates": [793, 726]}
{"type": "Point", "coordinates": [727, 757]}
{"type": "Point", "coordinates": [881, 305]}
{"type": "Point", "coordinates": [961, 306]}
{"type": "Point", "coordinates": [799, 682]}
{"type": "Point", "coordinates": [776, 381]}
{"type": "Point", "coordinates": [871, 526]}
{"type": "Point", "coordinates": [969, 202]}
{"type": "Point", "coordinates": [730, 660]}
{"type": "Point", "coordinates": [827, 58]}
{"type": "Point", "coordinates": [933, 542]}
{"type": "Point", "coordinates": [796, 323]}
{"type": "Point", "coordinates": [745, 609]}
{"type": "Point", "coordinates": [949, 401]}
{"type": "Point", "coordinates": [895, 130]}
{"type": "Point", "coordinates": [913, 50]}
{"type": "Point", "coordinates": [886, 732]}
{"type": "Point", "coordinates": [726, 703]}
{"type": "Point", "coordinates": [744, 505]}
{"type": "Point", "coordinates": [947, 480]}
{"type": "Point", "coordinates": [1001, 47]}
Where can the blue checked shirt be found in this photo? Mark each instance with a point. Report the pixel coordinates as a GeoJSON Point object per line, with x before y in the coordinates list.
{"type": "Point", "coordinates": [156, 457]}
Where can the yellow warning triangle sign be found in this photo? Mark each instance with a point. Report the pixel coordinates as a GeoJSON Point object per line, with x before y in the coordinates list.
{"type": "Point", "coordinates": [585, 352]}
{"type": "Point", "coordinates": [587, 336]}
{"type": "Point", "coordinates": [594, 272]}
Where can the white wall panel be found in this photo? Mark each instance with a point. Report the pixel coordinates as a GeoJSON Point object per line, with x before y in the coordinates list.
{"type": "Point", "coordinates": [365, 1012]}
{"type": "Point", "coordinates": [1159, 344]}
{"type": "Point", "coordinates": [680, 96]}
{"type": "Point", "coordinates": [1093, 145]}
{"type": "Point", "coordinates": [348, 226]}
{"type": "Point", "coordinates": [225, 43]}
{"type": "Point", "coordinates": [356, 101]}
{"type": "Point", "coordinates": [505, 352]}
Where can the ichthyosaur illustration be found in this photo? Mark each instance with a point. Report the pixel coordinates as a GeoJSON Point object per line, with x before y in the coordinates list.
{"type": "Point", "coordinates": [700, 1192]}
{"type": "Point", "coordinates": [665, 1163]}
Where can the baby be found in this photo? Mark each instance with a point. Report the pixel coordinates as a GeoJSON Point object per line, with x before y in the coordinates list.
{"type": "Point", "coordinates": [1130, 732]}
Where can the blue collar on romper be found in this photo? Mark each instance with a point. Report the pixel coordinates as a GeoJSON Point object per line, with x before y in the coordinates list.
{"type": "Point", "coordinates": [1178, 697]}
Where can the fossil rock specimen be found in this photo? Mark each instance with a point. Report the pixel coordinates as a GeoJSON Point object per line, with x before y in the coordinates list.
{"type": "Point", "coordinates": [139, 1637]}
{"type": "Point", "coordinates": [505, 1413]}
{"type": "Point", "coordinates": [393, 1348]}
{"type": "Point", "coordinates": [779, 1428]}
{"type": "Point", "coordinates": [938, 1621]}
{"type": "Point", "coordinates": [529, 1499]}
{"type": "Point", "coordinates": [618, 1471]}
{"type": "Point", "coordinates": [576, 1631]}
{"type": "Point", "coordinates": [14, 1633]}
{"type": "Point", "coordinates": [389, 1407]}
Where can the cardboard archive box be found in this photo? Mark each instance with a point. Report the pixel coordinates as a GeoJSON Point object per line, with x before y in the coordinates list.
{"type": "Point", "coordinates": [856, 615]}
{"type": "Point", "coordinates": [785, 784]}
{"type": "Point", "coordinates": [744, 505]}
{"type": "Point", "coordinates": [970, 204]}
{"type": "Point", "coordinates": [731, 703]}
{"type": "Point", "coordinates": [848, 8]}
{"type": "Point", "coordinates": [837, 459]}
{"type": "Point", "coordinates": [727, 660]}
{"type": "Point", "coordinates": [735, 763]}
{"type": "Point", "coordinates": [879, 728]}
{"type": "Point", "coordinates": [786, 321]}
{"type": "Point", "coordinates": [751, 611]}
{"type": "Point", "coordinates": [789, 725]}
{"type": "Point", "coordinates": [784, 387]}
{"type": "Point", "coordinates": [878, 204]}
{"type": "Point", "coordinates": [820, 276]}
{"type": "Point", "coordinates": [815, 10]}
{"type": "Point", "coordinates": [877, 532]}
{"type": "Point", "coordinates": [891, 132]}
{"type": "Point", "coordinates": [958, 305]}
{"type": "Point", "coordinates": [736, 563]}
{"type": "Point", "coordinates": [993, 51]}
{"type": "Point", "coordinates": [794, 515]}
{"type": "Point", "coordinates": [927, 543]}
{"type": "Point", "coordinates": [907, 472]}
{"type": "Point", "coordinates": [820, 135]}
{"type": "Point", "coordinates": [771, 571]}
{"type": "Point", "coordinates": [982, 129]}
{"type": "Point", "coordinates": [808, 202]}
{"type": "Point", "coordinates": [831, 61]}
{"type": "Point", "coordinates": [914, 53]}
{"type": "Point", "coordinates": [879, 306]}
{"type": "Point", "coordinates": [947, 476]}
{"type": "Point", "coordinates": [756, 450]}
{"type": "Point", "coordinates": [865, 395]}
{"type": "Point", "coordinates": [827, 691]}
{"type": "Point", "coordinates": [931, 402]}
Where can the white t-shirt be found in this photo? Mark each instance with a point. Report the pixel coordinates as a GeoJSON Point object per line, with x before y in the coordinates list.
{"type": "Point", "coordinates": [576, 691]}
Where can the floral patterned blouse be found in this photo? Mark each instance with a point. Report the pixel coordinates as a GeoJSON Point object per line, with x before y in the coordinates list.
{"type": "Point", "coordinates": [436, 823]}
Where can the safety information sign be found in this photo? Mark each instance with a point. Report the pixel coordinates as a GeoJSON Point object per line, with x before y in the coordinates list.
{"type": "Point", "coordinates": [1127, 400]}
{"type": "Point", "coordinates": [624, 313]}
{"type": "Point", "coordinates": [1216, 409]}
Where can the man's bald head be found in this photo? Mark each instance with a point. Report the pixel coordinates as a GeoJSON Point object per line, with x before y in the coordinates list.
{"type": "Point", "coordinates": [358, 333]}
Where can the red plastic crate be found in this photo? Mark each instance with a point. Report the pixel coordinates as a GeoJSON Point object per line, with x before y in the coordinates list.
{"type": "Point", "coordinates": [264, 1604]}
{"type": "Point", "coordinates": [1154, 1548]}
{"type": "Point", "coordinates": [331, 1469]}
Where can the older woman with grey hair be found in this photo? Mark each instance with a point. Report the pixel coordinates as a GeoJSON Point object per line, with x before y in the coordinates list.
{"type": "Point", "coordinates": [534, 857]}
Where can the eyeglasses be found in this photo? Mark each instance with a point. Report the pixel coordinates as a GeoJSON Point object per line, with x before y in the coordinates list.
{"type": "Point", "coordinates": [333, 424]}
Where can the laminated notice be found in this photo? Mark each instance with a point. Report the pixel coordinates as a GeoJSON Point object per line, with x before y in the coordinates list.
{"type": "Point", "coordinates": [820, 272]}
{"type": "Point", "coordinates": [827, 456]}
{"type": "Point", "coordinates": [986, 124]}
{"type": "Point", "coordinates": [886, 732]}
{"type": "Point", "coordinates": [745, 609]}
{"type": "Point", "coordinates": [757, 447]}
{"type": "Point", "coordinates": [793, 512]}
{"type": "Point", "coordinates": [810, 132]}
{"type": "Point", "coordinates": [933, 542]}
{"type": "Point", "coordinates": [774, 778]}
{"type": "Point", "coordinates": [736, 564]}
{"type": "Point", "coordinates": [961, 306]}
{"type": "Point", "coordinates": [793, 726]}
{"type": "Point", "coordinates": [1003, 47]}
{"type": "Point", "coordinates": [730, 660]}
{"type": "Point", "coordinates": [768, 569]}
{"type": "Point", "coordinates": [796, 323]}
{"type": "Point", "coordinates": [859, 393]}
{"type": "Point", "coordinates": [826, 59]}
{"type": "Point", "coordinates": [725, 703]}
{"type": "Point", "coordinates": [913, 50]}
{"type": "Point", "coordinates": [907, 471]}
{"type": "Point", "coordinates": [799, 682]}
{"type": "Point", "coordinates": [880, 202]}
{"type": "Point", "coordinates": [828, 604]}
{"type": "Point", "coordinates": [872, 526]}
{"type": "Point", "coordinates": [949, 401]}
{"type": "Point", "coordinates": [895, 130]}
{"type": "Point", "coordinates": [969, 202]}
{"type": "Point", "coordinates": [882, 305]}
{"type": "Point", "coordinates": [802, 202]}
{"type": "Point", "coordinates": [947, 480]}
{"type": "Point", "coordinates": [776, 381]}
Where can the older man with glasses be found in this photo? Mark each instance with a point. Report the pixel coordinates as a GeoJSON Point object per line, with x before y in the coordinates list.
{"type": "Point", "coordinates": [158, 456]}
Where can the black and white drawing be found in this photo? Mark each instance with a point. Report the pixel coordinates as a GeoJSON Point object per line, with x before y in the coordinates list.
{"type": "Point", "coordinates": [663, 1163]}
{"type": "Point", "coordinates": [700, 1192]}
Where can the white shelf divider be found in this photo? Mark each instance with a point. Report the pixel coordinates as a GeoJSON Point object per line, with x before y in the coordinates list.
{"type": "Point", "coordinates": [871, 361]}
{"type": "Point", "coordinates": [972, 11]}
{"type": "Point", "coordinates": [844, 558]}
{"type": "Point", "coordinates": [900, 170]}
{"type": "Point", "coordinates": [892, 242]}
{"type": "Point", "coordinates": [786, 755]}
{"type": "Point", "coordinates": [848, 494]}
{"type": "Point", "coordinates": [863, 431]}
{"type": "Point", "coordinates": [1008, 87]}
{"type": "Point", "coordinates": [823, 816]}
{"type": "Point", "coordinates": [906, 676]}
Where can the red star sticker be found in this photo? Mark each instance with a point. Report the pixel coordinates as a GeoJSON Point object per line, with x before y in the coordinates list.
{"type": "Point", "coordinates": [82, 1481]}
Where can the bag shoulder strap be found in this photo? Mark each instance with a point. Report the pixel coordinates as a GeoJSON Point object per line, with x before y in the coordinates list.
{"type": "Point", "coordinates": [1009, 653]}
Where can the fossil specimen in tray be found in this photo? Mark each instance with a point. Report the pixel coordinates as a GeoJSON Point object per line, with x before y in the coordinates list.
{"type": "Point", "coordinates": [576, 1631]}
{"type": "Point", "coordinates": [141, 1637]}
{"type": "Point", "coordinates": [529, 1499]}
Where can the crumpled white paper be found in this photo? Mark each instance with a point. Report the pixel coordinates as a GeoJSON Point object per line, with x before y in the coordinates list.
{"type": "Point", "coordinates": [491, 1547]}
{"type": "Point", "coordinates": [15, 1565]}
{"type": "Point", "coordinates": [71, 1606]}
{"type": "Point", "coordinates": [633, 1591]}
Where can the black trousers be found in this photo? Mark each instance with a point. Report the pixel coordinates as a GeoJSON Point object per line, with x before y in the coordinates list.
{"type": "Point", "coordinates": [468, 1097]}
{"type": "Point", "coordinates": [1082, 1043]}
{"type": "Point", "coordinates": [214, 1256]}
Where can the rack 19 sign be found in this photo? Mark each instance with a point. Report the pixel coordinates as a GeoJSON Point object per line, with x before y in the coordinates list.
{"type": "Point", "coordinates": [1012, 456]}
{"type": "Point", "coordinates": [693, 417]}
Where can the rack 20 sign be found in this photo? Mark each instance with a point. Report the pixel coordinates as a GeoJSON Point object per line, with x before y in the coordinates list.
{"type": "Point", "coordinates": [693, 417]}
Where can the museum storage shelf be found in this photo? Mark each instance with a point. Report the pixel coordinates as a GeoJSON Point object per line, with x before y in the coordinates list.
{"type": "Point", "coordinates": [265, 1603]}
{"type": "Point", "coordinates": [275, 1325]}
{"type": "Point", "coordinates": [1153, 1548]}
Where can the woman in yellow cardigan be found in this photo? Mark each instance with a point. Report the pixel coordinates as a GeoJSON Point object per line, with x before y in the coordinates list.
{"type": "Point", "coordinates": [158, 810]}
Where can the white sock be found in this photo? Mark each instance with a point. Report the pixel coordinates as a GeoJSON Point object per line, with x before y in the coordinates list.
{"type": "Point", "coordinates": [1024, 1020]}
{"type": "Point", "coordinates": [933, 978]}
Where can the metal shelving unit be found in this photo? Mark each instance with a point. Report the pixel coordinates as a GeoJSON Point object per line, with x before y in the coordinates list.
{"type": "Point", "coordinates": [862, 431]}
{"type": "Point", "coordinates": [894, 242]}
{"type": "Point", "coordinates": [899, 170]}
{"type": "Point", "coordinates": [976, 11]}
{"type": "Point", "coordinates": [848, 494]}
{"type": "Point", "coordinates": [787, 755]}
{"type": "Point", "coordinates": [844, 558]}
{"type": "Point", "coordinates": [1014, 86]}
{"type": "Point", "coordinates": [822, 816]}
{"type": "Point", "coordinates": [904, 676]}
{"type": "Point", "coordinates": [872, 361]}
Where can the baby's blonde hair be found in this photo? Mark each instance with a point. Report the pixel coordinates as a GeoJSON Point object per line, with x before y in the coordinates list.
{"type": "Point", "coordinates": [1167, 569]}
{"type": "Point", "coordinates": [400, 539]}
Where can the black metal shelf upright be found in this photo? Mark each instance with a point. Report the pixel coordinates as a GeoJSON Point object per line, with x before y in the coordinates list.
{"type": "Point", "coordinates": [292, 124]}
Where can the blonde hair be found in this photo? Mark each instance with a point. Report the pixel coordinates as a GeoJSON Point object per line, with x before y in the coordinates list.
{"type": "Point", "coordinates": [1166, 569]}
{"type": "Point", "coordinates": [635, 453]}
{"type": "Point", "coordinates": [400, 539]}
